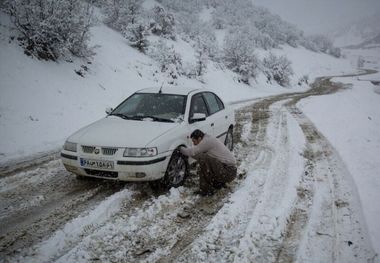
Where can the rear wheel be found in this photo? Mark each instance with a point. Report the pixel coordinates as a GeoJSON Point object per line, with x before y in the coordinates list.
{"type": "Point", "coordinates": [229, 141]}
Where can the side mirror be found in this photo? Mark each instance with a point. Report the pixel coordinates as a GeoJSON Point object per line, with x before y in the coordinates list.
{"type": "Point", "coordinates": [198, 117]}
{"type": "Point", "coordinates": [109, 110]}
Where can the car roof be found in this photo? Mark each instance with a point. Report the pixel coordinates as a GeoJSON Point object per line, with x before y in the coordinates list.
{"type": "Point", "coordinates": [171, 90]}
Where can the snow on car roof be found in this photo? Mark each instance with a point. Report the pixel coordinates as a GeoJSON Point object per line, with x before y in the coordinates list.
{"type": "Point", "coordinates": [170, 90]}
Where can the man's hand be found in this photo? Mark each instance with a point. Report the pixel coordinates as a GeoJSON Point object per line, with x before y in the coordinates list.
{"type": "Point", "coordinates": [183, 150]}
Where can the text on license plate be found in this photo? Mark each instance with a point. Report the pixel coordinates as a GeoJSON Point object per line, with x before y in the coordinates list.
{"type": "Point", "coordinates": [96, 163]}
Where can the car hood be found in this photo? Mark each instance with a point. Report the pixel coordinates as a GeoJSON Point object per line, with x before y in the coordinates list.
{"type": "Point", "coordinates": [113, 131]}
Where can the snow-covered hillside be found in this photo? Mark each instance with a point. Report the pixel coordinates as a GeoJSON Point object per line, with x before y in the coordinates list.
{"type": "Point", "coordinates": [354, 34]}
{"type": "Point", "coordinates": [43, 102]}
{"type": "Point", "coordinates": [354, 132]}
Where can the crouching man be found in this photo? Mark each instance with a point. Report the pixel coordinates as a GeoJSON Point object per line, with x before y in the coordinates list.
{"type": "Point", "coordinates": [217, 163]}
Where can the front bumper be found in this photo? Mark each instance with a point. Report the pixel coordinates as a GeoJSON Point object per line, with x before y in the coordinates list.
{"type": "Point", "coordinates": [125, 169]}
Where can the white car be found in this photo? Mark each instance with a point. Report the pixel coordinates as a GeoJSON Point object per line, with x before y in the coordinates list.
{"type": "Point", "coordinates": [137, 141]}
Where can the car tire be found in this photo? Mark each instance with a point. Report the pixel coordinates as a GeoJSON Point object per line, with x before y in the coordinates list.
{"type": "Point", "coordinates": [229, 140]}
{"type": "Point", "coordinates": [177, 170]}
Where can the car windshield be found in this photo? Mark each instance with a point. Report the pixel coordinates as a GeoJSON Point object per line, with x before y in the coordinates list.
{"type": "Point", "coordinates": [153, 107]}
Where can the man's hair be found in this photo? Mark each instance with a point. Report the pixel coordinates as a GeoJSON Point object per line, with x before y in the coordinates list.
{"type": "Point", "coordinates": [197, 134]}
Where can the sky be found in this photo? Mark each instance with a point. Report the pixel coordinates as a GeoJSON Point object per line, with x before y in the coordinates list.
{"type": "Point", "coordinates": [321, 16]}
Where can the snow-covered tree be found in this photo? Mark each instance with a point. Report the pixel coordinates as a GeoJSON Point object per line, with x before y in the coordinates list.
{"type": "Point", "coordinates": [360, 62]}
{"type": "Point", "coordinates": [335, 51]}
{"type": "Point", "coordinates": [169, 60]}
{"type": "Point", "coordinates": [53, 28]}
{"type": "Point", "coordinates": [189, 6]}
{"type": "Point", "coordinates": [121, 13]}
{"type": "Point", "coordinates": [239, 56]}
{"type": "Point", "coordinates": [201, 56]}
{"type": "Point", "coordinates": [303, 79]}
{"type": "Point", "coordinates": [163, 23]}
{"type": "Point", "coordinates": [278, 68]}
{"type": "Point", "coordinates": [136, 33]}
{"type": "Point", "coordinates": [321, 42]}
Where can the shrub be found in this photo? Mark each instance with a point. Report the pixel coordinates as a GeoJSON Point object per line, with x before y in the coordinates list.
{"type": "Point", "coordinates": [163, 23]}
{"type": "Point", "coordinates": [136, 33]}
{"type": "Point", "coordinates": [238, 55]}
{"type": "Point", "coordinates": [120, 13]}
{"type": "Point", "coordinates": [201, 56]}
{"type": "Point", "coordinates": [169, 60]}
{"type": "Point", "coordinates": [52, 28]}
{"type": "Point", "coordinates": [303, 79]}
{"type": "Point", "coordinates": [278, 68]}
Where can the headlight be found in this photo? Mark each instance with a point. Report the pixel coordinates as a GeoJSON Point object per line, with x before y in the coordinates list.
{"type": "Point", "coordinates": [140, 152]}
{"type": "Point", "coordinates": [70, 146]}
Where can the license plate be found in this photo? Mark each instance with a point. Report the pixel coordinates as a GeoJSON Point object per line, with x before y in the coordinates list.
{"type": "Point", "coordinates": [102, 164]}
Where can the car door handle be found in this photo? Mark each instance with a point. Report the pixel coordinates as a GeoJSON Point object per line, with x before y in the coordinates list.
{"type": "Point", "coordinates": [212, 124]}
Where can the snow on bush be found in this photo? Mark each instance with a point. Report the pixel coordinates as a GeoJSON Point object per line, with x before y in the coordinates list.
{"type": "Point", "coordinates": [239, 56]}
{"type": "Point", "coordinates": [268, 30]}
{"type": "Point", "coordinates": [303, 80]}
{"type": "Point", "coordinates": [201, 56]}
{"type": "Point", "coordinates": [51, 29]}
{"type": "Point", "coordinates": [137, 34]}
{"type": "Point", "coordinates": [120, 13]}
{"type": "Point", "coordinates": [360, 62]}
{"type": "Point", "coordinates": [169, 60]}
{"type": "Point", "coordinates": [278, 68]}
{"type": "Point", "coordinates": [163, 23]}
{"type": "Point", "coordinates": [321, 43]}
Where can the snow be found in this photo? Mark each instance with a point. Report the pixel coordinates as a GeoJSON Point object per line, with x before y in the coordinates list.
{"type": "Point", "coordinates": [356, 139]}
{"type": "Point", "coordinates": [39, 110]}
{"type": "Point", "coordinates": [42, 103]}
{"type": "Point", "coordinates": [112, 227]}
{"type": "Point", "coordinates": [206, 14]}
{"type": "Point", "coordinates": [351, 122]}
{"type": "Point", "coordinates": [74, 230]}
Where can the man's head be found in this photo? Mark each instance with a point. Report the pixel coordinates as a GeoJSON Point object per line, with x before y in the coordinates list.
{"type": "Point", "coordinates": [197, 136]}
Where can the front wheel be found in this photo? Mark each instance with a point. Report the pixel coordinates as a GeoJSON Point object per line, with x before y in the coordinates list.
{"type": "Point", "coordinates": [177, 170]}
{"type": "Point", "coordinates": [229, 141]}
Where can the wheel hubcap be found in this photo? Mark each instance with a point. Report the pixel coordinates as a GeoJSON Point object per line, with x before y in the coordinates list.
{"type": "Point", "coordinates": [177, 171]}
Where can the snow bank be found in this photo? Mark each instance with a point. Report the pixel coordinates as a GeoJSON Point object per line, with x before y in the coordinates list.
{"type": "Point", "coordinates": [351, 122]}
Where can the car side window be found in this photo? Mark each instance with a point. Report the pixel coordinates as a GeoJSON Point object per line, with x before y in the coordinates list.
{"type": "Point", "coordinates": [198, 105]}
{"type": "Point", "coordinates": [220, 103]}
{"type": "Point", "coordinates": [213, 102]}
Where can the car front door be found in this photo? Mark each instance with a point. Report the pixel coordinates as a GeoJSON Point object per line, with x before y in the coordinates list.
{"type": "Point", "coordinates": [218, 116]}
{"type": "Point", "coordinates": [198, 105]}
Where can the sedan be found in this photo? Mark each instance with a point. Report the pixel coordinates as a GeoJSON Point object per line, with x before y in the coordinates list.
{"type": "Point", "coordinates": [139, 139]}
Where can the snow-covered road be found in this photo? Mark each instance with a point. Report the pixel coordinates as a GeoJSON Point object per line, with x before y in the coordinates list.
{"type": "Point", "coordinates": [294, 201]}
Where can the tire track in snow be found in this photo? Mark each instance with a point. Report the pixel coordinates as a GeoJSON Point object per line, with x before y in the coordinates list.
{"type": "Point", "coordinates": [247, 152]}
{"type": "Point", "coordinates": [160, 234]}
{"type": "Point", "coordinates": [37, 202]}
{"type": "Point", "coordinates": [268, 221]}
{"type": "Point", "coordinates": [222, 237]}
{"type": "Point", "coordinates": [62, 240]}
{"type": "Point", "coordinates": [286, 241]}
{"type": "Point", "coordinates": [335, 222]}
